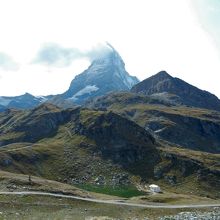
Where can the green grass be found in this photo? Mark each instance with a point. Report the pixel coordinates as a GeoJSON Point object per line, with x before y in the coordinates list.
{"type": "Point", "coordinates": [87, 116]}
{"type": "Point", "coordinates": [11, 136]}
{"type": "Point", "coordinates": [123, 191]}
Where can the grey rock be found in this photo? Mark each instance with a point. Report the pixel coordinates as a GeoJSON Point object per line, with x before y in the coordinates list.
{"type": "Point", "coordinates": [181, 92]}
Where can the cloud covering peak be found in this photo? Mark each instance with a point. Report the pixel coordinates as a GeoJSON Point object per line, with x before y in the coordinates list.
{"type": "Point", "coordinates": [52, 54]}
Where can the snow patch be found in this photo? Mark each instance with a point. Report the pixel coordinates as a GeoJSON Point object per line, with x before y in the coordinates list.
{"type": "Point", "coordinates": [41, 98]}
{"type": "Point", "coordinates": [87, 90]}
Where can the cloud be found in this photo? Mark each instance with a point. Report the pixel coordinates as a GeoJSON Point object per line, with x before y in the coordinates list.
{"type": "Point", "coordinates": [55, 55]}
{"type": "Point", "coordinates": [209, 15]}
{"type": "Point", "coordinates": [100, 50]}
{"type": "Point", "coordinates": [52, 54]}
{"type": "Point", "coordinates": [7, 63]}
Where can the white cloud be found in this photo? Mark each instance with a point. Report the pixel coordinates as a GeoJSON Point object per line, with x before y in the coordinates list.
{"type": "Point", "coordinates": [55, 55]}
{"type": "Point", "coordinates": [52, 54]}
{"type": "Point", "coordinates": [7, 63]}
{"type": "Point", "coordinates": [40, 80]}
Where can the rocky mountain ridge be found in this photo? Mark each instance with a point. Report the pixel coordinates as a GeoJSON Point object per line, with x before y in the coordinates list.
{"type": "Point", "coordinates": [187, 127]}
{"type": "Point", "coordinates": [25, 101]}
{"type": "Point", "coordinates": [163, 84]}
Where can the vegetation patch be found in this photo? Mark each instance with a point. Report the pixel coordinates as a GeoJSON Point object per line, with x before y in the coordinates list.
{"type": "Point", "coordinates": [121, 191]}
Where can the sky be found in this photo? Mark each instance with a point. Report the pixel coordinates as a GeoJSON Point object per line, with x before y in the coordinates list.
{"type": "Point", "coordinates": [45, 43]}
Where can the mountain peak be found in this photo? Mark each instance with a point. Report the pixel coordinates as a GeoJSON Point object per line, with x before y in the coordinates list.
{"type": "Point", "coordinates": [163, 74]}
{"type": "Point", "coordinates": [106, 74]}
{"type": "Point", "coordinates": [163, 83]}
{"type": "Point", "coordinates": [108, 56]}
{"type": "Point", "coordinates": [153, 84]}
{"type": "Point", "coordinates": [160, 76]}
{"type": "Point", "coordinates": [27, 95]}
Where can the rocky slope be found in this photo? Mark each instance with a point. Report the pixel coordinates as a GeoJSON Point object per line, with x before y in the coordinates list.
{"type": "Point", "coordinates": [188, 127]}
{"type": "Point", "coordinates": [106, 134]}
{"type": "Point", "coordinates": [101, 148]}
{"type": "Point", "coordinates": [186, 94]}
{"type": "Point", "coordinates": [105, 74]}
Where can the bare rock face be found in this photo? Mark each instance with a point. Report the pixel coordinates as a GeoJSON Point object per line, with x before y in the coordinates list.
{"type": "Point", "coordinates": [32, 125]}
{"type": "Point", "coordinates": [188, 127]}
{"type": "Point", "coordinates": [162, 83]}
{"type": "Point", "coordinates": [120, 140]}
{"type": "Point", "coordinates": [189, 132]}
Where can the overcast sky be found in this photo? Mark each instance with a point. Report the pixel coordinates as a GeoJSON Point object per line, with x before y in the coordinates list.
{"type": "Point", "coordinates": [45, 43]}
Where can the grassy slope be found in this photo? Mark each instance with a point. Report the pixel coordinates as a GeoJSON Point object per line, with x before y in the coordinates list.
{"type": "Point", "coordinates": [67, 156]}
{"type": "Point", "coordinates": [19, 182]}
{"type": "Point", "coordinates": [63, 157]}
{"type": "Point", "coordinates": [132, 103]}
{"type": "Point", "coordinates": [62, 162]}
{"type": "Point", "coordinates": [189, 183]}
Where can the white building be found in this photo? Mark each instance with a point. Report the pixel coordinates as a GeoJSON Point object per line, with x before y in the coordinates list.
{"type": "Point", "coordinates": [154, 188]}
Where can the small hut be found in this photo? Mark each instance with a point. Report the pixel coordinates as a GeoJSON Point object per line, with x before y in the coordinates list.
{"type": "Point", "coordinates": [154, 188]}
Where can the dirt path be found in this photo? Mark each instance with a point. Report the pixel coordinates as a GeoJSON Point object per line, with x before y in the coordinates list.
{"type": "Point", "coordinates": [113, 202]}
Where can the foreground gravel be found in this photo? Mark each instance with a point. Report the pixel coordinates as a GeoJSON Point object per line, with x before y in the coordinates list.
{"type": "Point", "coordinates": [214, 214]}
{"type": "Point", "coordinates": [211, 215]}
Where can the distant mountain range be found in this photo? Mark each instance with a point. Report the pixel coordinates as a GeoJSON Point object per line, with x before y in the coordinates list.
{"type": "Point", "coordinates": [26, 101]}
{"type": "Point", "coordinates": [107, 74]}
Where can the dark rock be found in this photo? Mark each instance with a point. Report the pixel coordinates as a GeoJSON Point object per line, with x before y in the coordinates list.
{"type": "Point", "coordinates": [171, 179]}
{"type": "Point", "coordinates": [187, 94]}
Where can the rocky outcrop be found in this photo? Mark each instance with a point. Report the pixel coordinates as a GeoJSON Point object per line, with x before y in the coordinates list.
{"type": "Point", "coordinates": [119, 139]}
{"type": "Point", "coordinates": [188, 127]}
{"type": "Point", "coordinates": [32, 125]}
{"type": "Point", "coordinates": [189, 132]}
{"type": "Point", "coordinates": [174, 168]}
